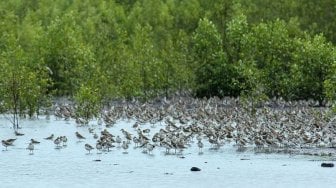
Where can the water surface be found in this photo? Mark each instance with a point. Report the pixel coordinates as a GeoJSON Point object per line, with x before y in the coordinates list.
{"type": "Point", "coordinates": [72, 166]}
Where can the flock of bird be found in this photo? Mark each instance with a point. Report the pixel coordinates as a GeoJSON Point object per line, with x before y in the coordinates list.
{"type": "Point", "coordinates": [183, 122]}
{"type": "Point", "coordinates": [10, 142]}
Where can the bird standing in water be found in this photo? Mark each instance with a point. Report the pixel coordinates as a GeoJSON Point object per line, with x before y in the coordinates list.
{"type": "Point", "coordinates": [99, 147]}
{"type": "Point", "coordinates": [200, 146]}
{"type": "Point", "coordinates": [31, 147]}
{"type": "Point", "coordinates": [6, 144]}
{"type": "Point", "coordinates": [64, 140]}
{"type": "Point", "coordinates": [125, 146]}
{"type": "Point", "coordinates": [79, 136]}
{"type": "Point", "coordinates": [34, 141]}
{"type": "Point", "coordinates": [50, 137]}
{"type": "Point", "coordinates": [18, 134]}
{"type": "Point", "coordinates": [57, 142]}
{"type": "Point", "coordinates": [88, 147]}
{"type": "Point", "coordinates": [11, 141]}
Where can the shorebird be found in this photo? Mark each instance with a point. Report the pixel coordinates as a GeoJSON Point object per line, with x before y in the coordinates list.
{"type": "Point", "coordinates": [125, 146]}
{"type": "Point", "coordinates": [118, 140]}
{"type": "Point", "coordinates": [91, 130]}
{"type": "Point", "coordinates": [6, 144]}
{"type": "Point", "coordinates": [88, 147]}
{"type": "Point", "coordinates": [50, 137]}
{"type": "Point", "coordinates": [109, 145]}
{"type": "Point", "coordinates": [180, 145]}
{"type": "Point", "coordinates": [57, 141]}
{"type": "Point", "coordinates": [106, 133]}
{"type": "Point", "coordinates": [18, 134]}
{"type": "Point", "coordinates": [95, 136]}
{"type": "Point", "coordinates": [150, 148]}
{"type": "Point", "coordinates": [135, 125]}
{"type": "Point", "coordinates": [200, 146]}
{"type": "Point", "coordinates": [146, 131]}
{"type": "Point", "coordinates": [34, 141]}
{"type": "Point", "coordinates": [64, 139]}
{"type": "Point", "coordinates": [136, 141]}
{"type": "Point", "coordinates": [81, 121]}
{"type": "Point", "coordinates": [31, 147]}
{"type": "Point", "coordinates": [99, 147]}
{"type": "Point", "coordinates": [10, 141]}
{"type": "Point", "coordinates": [127, 135]}
{"type": "Point", "coordinates": [79, 136]}
{"type": "Point", "coordinates": [166, 145]}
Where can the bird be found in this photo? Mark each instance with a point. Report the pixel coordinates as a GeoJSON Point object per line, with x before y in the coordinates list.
{"type": "Point", "coordinates": [136, 141]}
{"type": "Point", "coordinates": [11, 140]}
{"type": "Point", "coordinates": [99, 147]}
{"type": "Point", "coordinates": [18, 134]}
{"type": "Point", "coordinates": [166, 145]}
{"type": "Point", "coordinates": [91, 130]}
{"type": "Point", "coordinates": [95, 136]}
{"type": "Point", "coordinates": [64, 139]}
{"type": "Point", "coordinates": [79, 136]}
{"type": "Point", "coordinates": [6, 144]}
{"type": "Point", "coordinates": [88, 147]}
{"type": "Point", "coordinates": [125, 146]}
{"type": "Point", "coordinates": [109, 145]}
{"type": "Point", "coordinates": [135, 125]}
{"type": "Point", "coordinates": [127, 135]}
{"type": "Point", "coordinates": [146, 131]}
{"type": "Point", "coordinates": [200, 146]}
{"type": "Point", "coordinates": [34, 141]}
{"type": "Point", "coordinates": [57, 141]}
{"type": "Point", "coordinates": [31, 147]}
{"type": "Point", "coordinates": [150, 148]}
{"type": "Point", "coordinates": [49, 137]}
{"type": "Point", "coordinates": [118, 140]}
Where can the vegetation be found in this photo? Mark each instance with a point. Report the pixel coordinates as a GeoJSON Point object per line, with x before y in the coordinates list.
{"type": "Point", "coordinates": [95, 51]}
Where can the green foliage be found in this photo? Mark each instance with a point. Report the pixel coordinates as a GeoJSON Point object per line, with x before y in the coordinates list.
{"type": "Point", "coordinates": [124, 49]}
{"type": "Point", "coordinates": [271, 51]}
{"type": "Point", "coordinates": [253, 92]}
{"type": "Point", "coordinates": [330, 83]}
{"type": "Point", "coordinates": [313, 16]}
{"type": "Point", "coordinates": [88, 102]}
{"type": "Point", "coordinates": [23, 81]}
{"type": "Point", "coordinates": [63, 49]}
{"type": "Point", "coordinates": [144, 58]}
{"type": "Point", "coordinates": [313, 63]}
{"type": "Point", "coordinates": [209, 60]}
{"type": "Point", "coordinates": [237, 39]}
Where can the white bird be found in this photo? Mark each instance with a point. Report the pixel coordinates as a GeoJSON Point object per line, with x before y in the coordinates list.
{"type": "Point", "coordinates": [31, 147]}
{"type": "Point", "coordinates": [64, 140]}
{"type": "Point", "coordinates": [200, 146]}
{"type": "Point", "coordinates": [99, 147]}
{"type": "Point", "coordinates": [95, 136]}
{"type": "Point", "coordinates": [125, 146]}
{"type": "Point", "coordinates": [118, 140]}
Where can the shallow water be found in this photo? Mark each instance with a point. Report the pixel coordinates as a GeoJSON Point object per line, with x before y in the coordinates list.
{"type": "Point", "coordinates": [71, 166]}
